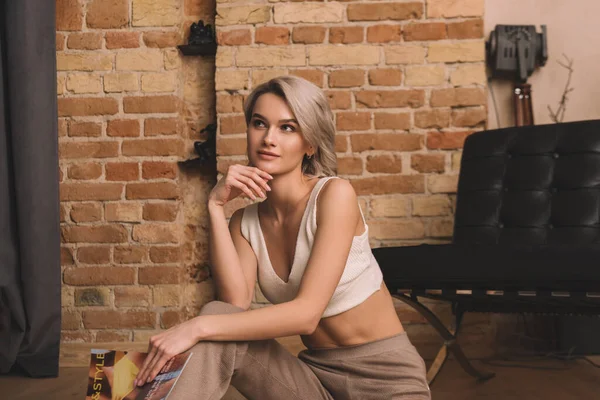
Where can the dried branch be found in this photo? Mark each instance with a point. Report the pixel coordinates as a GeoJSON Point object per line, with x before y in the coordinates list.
{"type": "Point", "coordinates": [559, 115]}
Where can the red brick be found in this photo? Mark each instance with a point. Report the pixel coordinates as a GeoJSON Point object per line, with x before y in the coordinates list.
{"type": "Point", "coordinates": [122, 171]}
{"type": "Point", "coordinates": [169, 319]}
{"type": "Point", "coordinates": [165, 254]}
{"type": "Point", "coordinates": [70, 320]}
{"type": "Point", "coordinates": [350, 166]}
{"type": "Point", "coordinates": [233, 124]}
{"type": "Point", "coordinates": [93, 255]}
{"type": "Point", "coordinates": [60, 42]}
{"type": "Point", "coordinates": [434, 118]}
{"type": "Point", "coordinates": [384, 11]}
{"type": "Point", "coordinates": [122, 40]}
{"type": "Point", "coordinates": [308, 34]}
{"type": "Point", "coordinates": [158, 39]}
{"type": "Point", "coordinates": [339, 100]}
{"type": "Point", "coordinates": [85, 212]}
{"type": "Point", "coordinates": [84, 129]}
{"type": "Point", "coordinates": [230, 103]}
{"type": "Point", "coordinates": [385, 77]}
{"type": "Point", "coordinates": [66, 256]}
{"type": "Point", "coordinates": [470, 29]}
{"type": "Point", "coordinates": [457, 97]}
{"type": "Point", "coordinates": [88, 149]}
{"type": "Point", "coordinates": [86, 276]}
{"type": "Point", "coordinates": [94, 234]}
{"type": "Point", "coordinates": [159, 275]}
{"type": "Point", "coordinates": [341, 143]}
{"type": "Point", "coordinates": [107, 14]}
{"type": "Point", "coordinates": [132, 296]}
{"type": "Point", "coordinates": [353, 121]}
{"type": "Point", "coordinates": [235, 37]}
{"type": "Point", "coordinates": [84, 41]}
{"type": "Point", "coordinates": [129, 254]}
{"type": "Point", "coordinates": [84, 171]}
{"type": "Point", "coordinates": [446, 140]}
{"type": "Point", "coordinates": [428, 162]}
{"type": "Point", "coordinates": [231, 147]}
{"type": "Point", "coordinates": [385, 163]}
{"type": "Point", "coordinates": [69, 15]}
{"type": "Point", "coordinates": [112, 319]}
{"type": "Point", "coordinates": [384, 33]}
{"type": "Point", "coordinates": [161, 126]}
{"type": "Point", "coordinates": [152, 147]}
{"type": "Point", "coordinates": [81, 106]}
{"type": "Point", "coordinates": [90, 191]}
{"type": "Point", "coordinates": [346, 35]}
{"type": "Point", "coordinates": [389, 184]}
{"type": "Point", "coordinates": [311, 75]}
{"type": "Point", "coordinates": [111, 336]}
{"type": "Point", "coordinates": [160, 212]}
{"type": "Point", "coordinates": [469, 117]}
{"type": "Point", "coordinates": [154, 190]}
{"type": "Point", "coordinates": [272, 35]}
{"type": "Point", "coordinates": [159, 170]}
{"type": "Point", "coordinates": [63, 127]}
{"type": "Point", "coordinates": [123, 128]}
{"type": "Point", "coordinates": [425, 31]}
{"type": "Point", "coordinates": [392, 121]}
{"type": "Point", "coordinates": [386, 141]}
{"type": "Point", "coordinates": [390, 98]}
{"type": "Point", "coordinates": [346, 78]}
{"type": "Point", "coordinates": [150, 104]}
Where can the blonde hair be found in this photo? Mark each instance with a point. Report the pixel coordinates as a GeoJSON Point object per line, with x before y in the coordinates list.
{"type": "Point", "coordinates": [311, 109]}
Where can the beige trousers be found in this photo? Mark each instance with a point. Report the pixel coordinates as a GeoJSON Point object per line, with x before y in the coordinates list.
{"type": "Point", "coordinates": [384, 369]}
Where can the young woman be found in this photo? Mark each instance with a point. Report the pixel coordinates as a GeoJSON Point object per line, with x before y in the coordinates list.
{"type": "Point", "coordinates": [307, 243]}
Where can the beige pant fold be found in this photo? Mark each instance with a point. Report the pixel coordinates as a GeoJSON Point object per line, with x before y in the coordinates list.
{"type": "Point", "coordinates": [388, 368]}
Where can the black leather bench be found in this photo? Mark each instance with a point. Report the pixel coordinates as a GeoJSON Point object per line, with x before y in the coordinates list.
{"type": "Point", "coordinates": [526, 232]}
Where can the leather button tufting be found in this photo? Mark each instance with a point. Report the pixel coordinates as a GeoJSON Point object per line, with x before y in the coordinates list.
{"type": "Point", "coordinates": [555, 155]}
{"type": "Point", "coordinates": [550, 226]}
{"type": "Point", "coordinates": [500, 225]}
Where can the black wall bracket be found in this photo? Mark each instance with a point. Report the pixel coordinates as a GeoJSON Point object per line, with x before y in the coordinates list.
{"type": "Point", "coordinates": [201, 41]}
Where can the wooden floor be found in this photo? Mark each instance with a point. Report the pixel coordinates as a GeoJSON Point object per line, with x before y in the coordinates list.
{"type": "Point", "coordinates": [575, 379]}
{"type": "Point", "coordinates": [539, 378]}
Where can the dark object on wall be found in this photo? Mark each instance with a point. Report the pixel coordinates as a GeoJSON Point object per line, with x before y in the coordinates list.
{"type": "Point", "coordinates": [513, 52]}
{"type": "Point", "coordinates": [206, 150]}
{"type": "Point", "coordinates": [201, 40]}
{"type": "Point", "coordinates": [30, 274]}
{"type": "Point", "coordinates": [526, 232]}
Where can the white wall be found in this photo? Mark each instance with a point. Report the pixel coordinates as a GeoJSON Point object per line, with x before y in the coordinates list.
{"type": "Point", "coordinates": [573, 29]}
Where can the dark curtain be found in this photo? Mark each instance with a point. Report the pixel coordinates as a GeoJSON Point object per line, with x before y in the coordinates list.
{"type": "Point", "coordinates": [30, 276]}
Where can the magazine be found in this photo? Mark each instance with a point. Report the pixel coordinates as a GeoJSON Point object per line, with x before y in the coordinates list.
{"type": "Point", "coordinates": [112, 372]}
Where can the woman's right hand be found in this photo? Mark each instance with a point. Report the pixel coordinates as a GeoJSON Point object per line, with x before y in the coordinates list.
{"type": "Point", "coordinates": [240, 180]}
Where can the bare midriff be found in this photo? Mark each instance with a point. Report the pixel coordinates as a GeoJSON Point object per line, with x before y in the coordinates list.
{"type": "Point", "coordinates": [373, 319]}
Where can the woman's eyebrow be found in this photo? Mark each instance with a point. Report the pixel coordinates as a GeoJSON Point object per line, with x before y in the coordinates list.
{"type": "Point", "coordinates": [280, 121]}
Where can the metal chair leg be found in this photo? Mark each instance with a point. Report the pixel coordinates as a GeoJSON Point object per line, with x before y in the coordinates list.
{"type": "Point", "coordinates": [450, 343]}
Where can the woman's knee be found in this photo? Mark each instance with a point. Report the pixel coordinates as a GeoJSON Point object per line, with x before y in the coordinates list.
{"type": "Point", "coordinates": [219, 307]}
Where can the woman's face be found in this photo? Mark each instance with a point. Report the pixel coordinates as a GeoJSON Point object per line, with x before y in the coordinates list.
{"type": "Point", "coordinates": [275, 143]}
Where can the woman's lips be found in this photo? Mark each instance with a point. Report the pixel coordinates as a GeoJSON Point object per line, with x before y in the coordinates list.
{"type": "Point", "coordinates": [267, 156]}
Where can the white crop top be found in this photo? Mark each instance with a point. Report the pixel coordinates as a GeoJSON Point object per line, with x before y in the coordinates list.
{"type": "Point", "coordinates": [361, 278]}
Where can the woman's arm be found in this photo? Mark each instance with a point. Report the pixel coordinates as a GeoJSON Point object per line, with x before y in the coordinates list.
{"type": "Point", "coordinates": [233, 263]}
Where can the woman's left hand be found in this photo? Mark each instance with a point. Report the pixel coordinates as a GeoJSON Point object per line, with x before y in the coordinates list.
{"type": "Point", "coordinates": [166, 345]}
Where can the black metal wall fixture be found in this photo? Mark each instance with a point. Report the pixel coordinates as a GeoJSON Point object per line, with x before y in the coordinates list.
{"type": "Point", "coordinates": [206, 150]}
{"type": "Point", "coordinates": [201, 41]}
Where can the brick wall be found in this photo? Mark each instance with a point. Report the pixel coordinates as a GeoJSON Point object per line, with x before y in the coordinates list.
{"type": "Point", "coordinates": [130, 106]}
{"type": "Point", "coordinates": [406, 82]}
